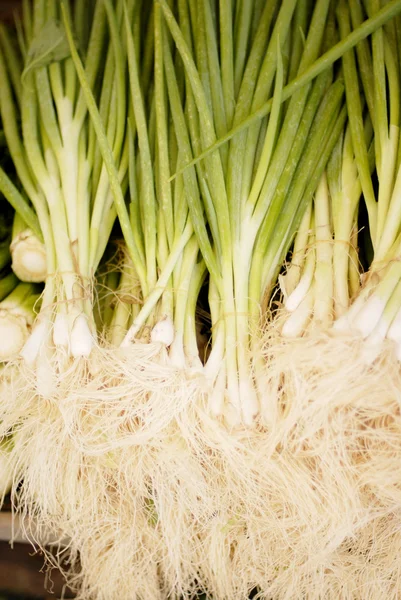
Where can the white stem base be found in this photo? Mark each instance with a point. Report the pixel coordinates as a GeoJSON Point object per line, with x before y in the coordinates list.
{"type": "Point", "coordinates": [163, 332]}
{"type": "Point", "coordinates": [28, 258]}
{"type": "Point", "coordinates": [14, 332]}
{"type": "Point", "coordinates": [82, 340]}
{"type": "Point", "coordinates": [35, 341]}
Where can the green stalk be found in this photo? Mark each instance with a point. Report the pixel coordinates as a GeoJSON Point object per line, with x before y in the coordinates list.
{"type": "Point", "coordinates": [270, 139]}
{"type": "Point", "coordinates": [324, 281]}
{"type": "Point", "coordinates": [241, 36]}
{"type": "Point", "coordinates": [19, 203]}
{"type": "Point", "coordinates": [109, 283]}
{"type": "Point", "coordinates": [7, 285]}
{"type": "Point", "coordinates": [290, 280]}
{"type": "Point", "coordinates": [216, 184]}
{"type": "Point", "coordinates": [227, 58]}
{"type": "Point", "coordinates": [181, 298]}
{"type": "Point", "coordinates": [165, 191]}
{"type": "Point", "coordinates": [390, 10]}
{"type": "Point", "coordinates": [106, 153]}
{"type": "Point", "coordinates": [298, 34]}
{"type": "Point", "coordinates": [148, 193]}
{"type": "Point", "coordinates": [214, 166]}
{"type": "Point", "coordinates": [354, 107]}
{"type": "Point", "coordinates": [134, 207]}
{"type": "Point", "coordinates": [112, 110]}
{"type": "Point", "coordinates": [243, 107]}
{"type": "Point", "coordinates": [387, 203]}
{"type": "Point", "coordinates": [293, 134]}
{"type": "Point", "coordinates": [13, 62]}
{"type": "Point", "coordinates": [215, 78]}
{"type": "Point", "coordinates": [49, 187]}
{"type": "Point", "coordinates": [27, 20]}
{"type": "Point", "coordinates": [121, 314]}
{"type": "Point", "coordinates": [22, 300]}
{"type": "Point", "coordinates": [189, 176]}
{"type": "Point", "coordinates": [156, 293]}
{"type": "Point", "coordinates": [5, 256]}
{"type": "Point", "coordinates": [324, 134]}
{"type": "Point", "coordinates": [263, 89]}
{"type": "Point", "coordinates": [364, 55]}
{"type": "Point", "coordinates": [191, 346]}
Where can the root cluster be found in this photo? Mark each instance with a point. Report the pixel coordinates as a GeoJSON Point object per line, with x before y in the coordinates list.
{"type": "Point", "coordinates": [152, 498]}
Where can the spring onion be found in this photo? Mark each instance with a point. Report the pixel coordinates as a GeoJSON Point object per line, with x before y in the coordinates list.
{"type": "Point", "coordinates": [188, 166]}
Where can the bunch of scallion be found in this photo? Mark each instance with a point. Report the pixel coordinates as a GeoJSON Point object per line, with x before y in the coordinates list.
{"type": "Point", "coordinates": [252, 192]}
{"type": "Point", "coordinates": [59, 165]}
{"type": "Point", "coordinates": [376, 311]}
{"type": "Point", "coordinates": [228, 137]}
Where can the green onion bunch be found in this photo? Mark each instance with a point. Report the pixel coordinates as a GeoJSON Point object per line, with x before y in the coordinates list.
{"type": "Point", "coordinates": [183, 167]}
{"type": "Point", "coordinates": [375, 95]}
{"type": "Point", "coordinates": [248, 197]}
{"type": "Point", "coordinates": [66, 197]}
{"type": "Point", "coordinates": [361, 194]}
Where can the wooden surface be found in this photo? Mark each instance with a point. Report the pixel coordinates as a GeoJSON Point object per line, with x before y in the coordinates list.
{"type": "Point", "coordinates": [11, 529]}
{"type": "Point", "coordinates": [8, 529]}
{"type": "Point", "coordinates": [22, 571]}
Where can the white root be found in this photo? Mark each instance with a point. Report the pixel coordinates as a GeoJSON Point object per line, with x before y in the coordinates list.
{"type": "Point", "coordinates": [128, 465]}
